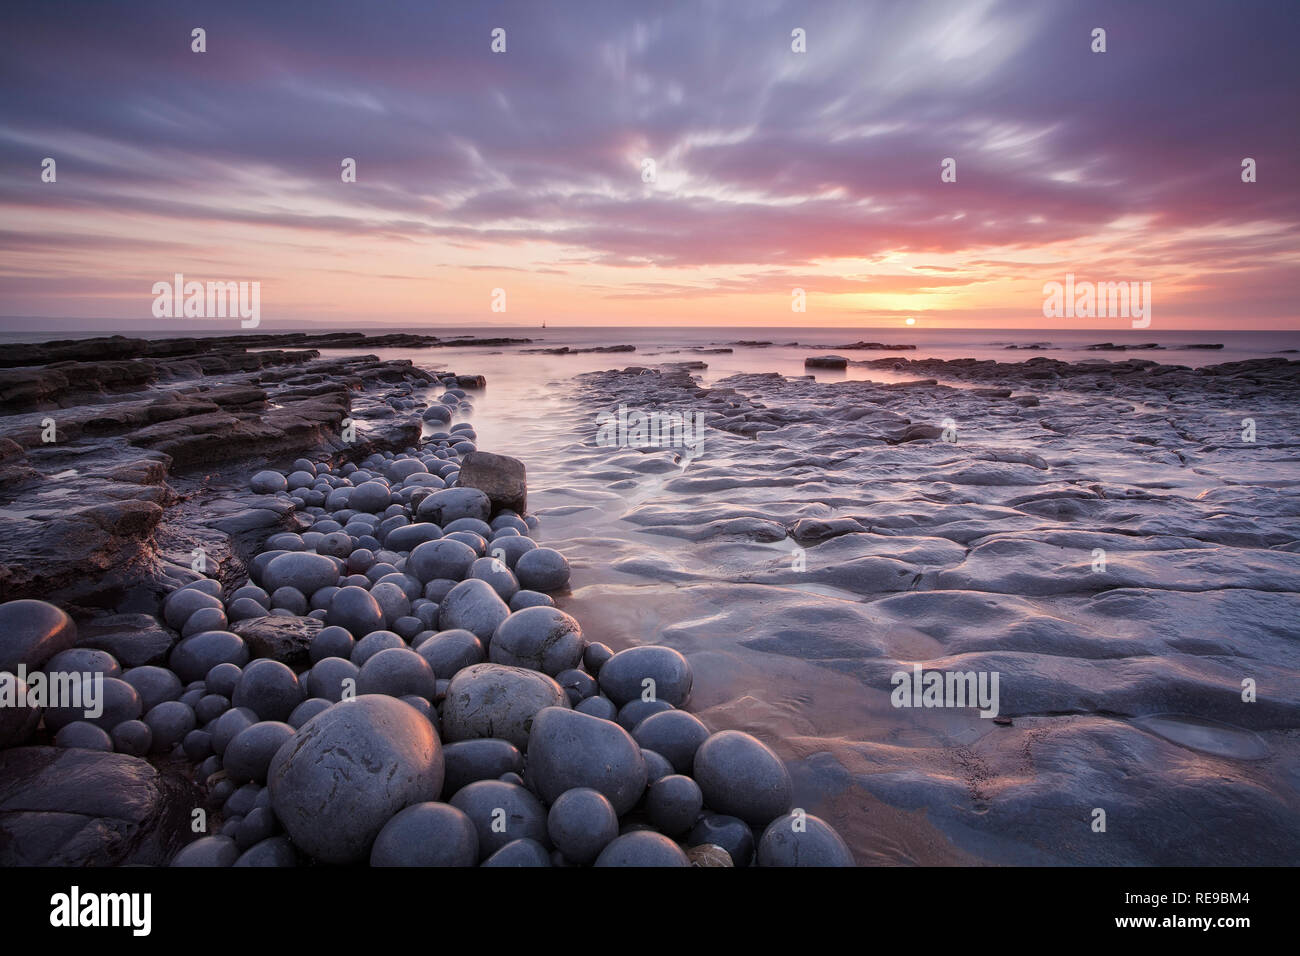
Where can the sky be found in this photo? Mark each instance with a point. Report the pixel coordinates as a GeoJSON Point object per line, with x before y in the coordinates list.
{"type": "Point", "coordinates": [525, 171]}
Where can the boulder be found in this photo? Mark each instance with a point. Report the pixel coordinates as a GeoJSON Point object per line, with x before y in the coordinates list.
{"type": "Point", "coordinates": [502, 478]}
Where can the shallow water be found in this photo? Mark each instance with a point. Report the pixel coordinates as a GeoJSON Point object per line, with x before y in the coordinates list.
{"type": "Point", "coordinates": [972, 558]}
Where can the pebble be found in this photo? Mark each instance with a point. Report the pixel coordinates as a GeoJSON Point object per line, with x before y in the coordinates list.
{"type": "Point", "coordinates": [642, 848]}
{"type": "Point", "coordinates": [542, 569]}
{"type": "Point", "coordinates": [427, 834]}
{"type": "Point", "coordinates": [801, 839]}
{"type": "Point", "coordinates": [539, 638]}
{"type": "Point", "coordinates": [675, 734]}
{"type": "Point", "coordinates": [472, 605]}
{"type": "Point", "coordinates": [581, 823]}
{"type": "Point", "coordinates": [348, 770]}
{"type": "Point", "coordinates": [623, 676]}
{"type": "Point", "coordinates": [501, 812]}
{"type": "Point", "coordinates": [492, 700]}
{"type": "Point", "coordinates": [741, 776]}
{"type": "Point", "coordinates": [568, 749]}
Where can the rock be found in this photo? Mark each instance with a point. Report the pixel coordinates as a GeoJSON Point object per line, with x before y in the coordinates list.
{"type": "Point", "coordinates": [740, 776]}
{"type": "Point", "coordinates": [449, 652]}
{"type": "Point", "coordinates": [581, 823]}
{"type": "Point", "coordinates": [492, 700]}
{"type": "Point", "coordinates": [523, 599]}
{"type": "Point", "coordinates": [208, 851]}
{"type": "Point", "coordinates": [801, 839]}
{"type": "Point", "coordinates": [268, 483]}
{"type": "Point", "coordinates": [228, 725]}
{"type": "Point", "coordinates": [348, 770]}
{"type": "Point", "coordinates": [168, 724]}
{"type": "Point", "coordinates": [276, 851]}
{"type": "Point", "coordinates": [623, 676]}
{"type": "Point", "coordinates": [397, 672]}
{"type": "Point", "coordinates": [595, 656]}
{"type": "Point", "coordinates": [303, 571]}
{"type": "Point", "coordinates": [183, 603]}
{"type": "Point", "coordinates": [87, 808]}
{"type": "Point", "coordinates": [248, 755]}
{"type": "Point", "coordinates": [473, 606]}
{"type": "Point", "coordinates": [327, 679]}
{"type": "Point", "coordinates": [412, 536]}
{"type": "Point", "coordinates": [427, 834]}
{"type": "Point", "coordinates": [154, 685]}
{"type": "Point", "coordinates": [195, 656]}
{"type": "Point", "coordinates": [133, 639]}
{"type": "Point", "coordinates": [370, 496]}
{"type": "Point", "coordinates": [284, 639]}
{"type": "Point", "coordinates": [444, 558]}
{"type": "Point", "coordinates": [709, 855]}
{"type": "Point", "coordinates": [495, 573]}
{"type": "Point", "coordinates": [445, 506]}
{"type": "Point", "coordinates": [826, 361]}
{"type": "Point", "coordinates": [578, 684]}
{"type": "Point", "coordinates": [567, 749]}
{"type": "Point", "coordinates": [308, 709]}
{"type": "Point", "coordinates": [467, 761]}
{"type": "Point", "coordinates": [520, 853]}
{"type": "Point", "coordinates": [673, 803]}
{"type": "Point", "coordinates": [222, 679]}
{"type": "Point", "coordinates": [483, 802]}
{"type": "Point", "coordinates": [269, 689]}
{"type": "Point", "coordinates": [102, 702]}
{"type": "Point", "coordinates": [373, 643]}
{"type": "Point", "coordinates": [598, 706]}
{"type": "Point", "coordinates": [539, 638]}
{"type": "Point", "coordinates": [675, 734]}
{"type": "Point", "coordinates": [332, 641]}
{"type": "Point", "coordinates": [84, 735]}
{"type": "Point", "coordinates": [353, 609]}
{"type": "Point", "coordinates": [83, 660]}
{"type": "Point", "coordinates": [31, 632]}
{"type": "Point", "coordinates": [542, 569]}
{"type": "Point", "coordinates": [503, 479]}
{"type": "Point", "coordinates": [642, 848]}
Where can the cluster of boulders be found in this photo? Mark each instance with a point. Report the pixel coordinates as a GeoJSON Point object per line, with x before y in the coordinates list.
{"type": "Point", "coordinates": [394, 684]}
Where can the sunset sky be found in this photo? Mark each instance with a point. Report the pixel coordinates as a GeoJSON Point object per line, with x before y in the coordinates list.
{"type": "Point", "coordinates": [775, 169]}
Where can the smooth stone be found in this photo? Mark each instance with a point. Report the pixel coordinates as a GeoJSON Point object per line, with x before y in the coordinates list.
{"type": "Point", "coordinates": [472, 525]}
{"type": "Point", "coordinates": [18, 720]}
{"type": "Point", "coordinates": [268, 483]}
{"type": "Point", "coordinates": [104, 702]}
{"type": "Point", "coordinates": [195, 656]}
{"type": "Point", "coordinates": [673, 803]}
{"type": "Point", "coordinates": [579, 685]}
{"type": "Point", "coordinates": [303, 571]}
{"type": "Point", "coordinates": [132, 737]}
{"type": "Point", "coordinates": [332, 641]}
{"type": "Point", "coordinates": [329, 679]}
{"type": "Point", "coordinates": [473, 606]}
{"type": "Point", "coordinates": [353, 609]}
{"type": "Point", "coordinates": [370, 496]}
{"type": "Point", "coordinates": [449, 652]}
{"type": "Point", "coordinates": [373, 643]}
{"type": "Point", "coordinates": [633, 712]}
{"type": "Point", "coordinates": [491, 700]}
{"type": "Point", "coordinates": [245, 609]}
{"type": "Point", "coordinates": [228, 725]}
{"type": "Point", "coordinates": [181, 604]}
{"type": "Point", "coordinates": [496, 574]}
{"type": "Point", "coordinates": [445, 506]}
{"type": "Point", "coordinates": [467, 761]}
{"type": "Point", "coordinates": [31, 632]}
{"type": "Point", "coordinates": [308, 709]}
{"type": "Point", "coordinates": [503, 479]}
{"type": "Point", "coordinates": [427, 834]}
{"type": "Point", "coordinates": [597, 706]}
{"type": "Point", "coordinates": [656, 766]}
{"type": "Point", "coordinates": [542, 569]}
{"type": "Point", "coordinates": [197, 744]}
{"type": "Point", "coordinates": [622, 677]}
{"type": "Point", "coordinates": [642, 848]}
{"type": "Point", "coordinates": [276, 851]}
{"type": "Point", "coordinates": [742, 777]}
{"type": "Point", "coordinates": [523, 818]}
{"type": "Point", "coordinates": [222, 679]}
{"type": "Point", "coordinates": [567, 749]}
{"type": "Point", "coordinates": [411, 536]}
{"type": "Point", "coordinates": [595, 656]}
{"type": "Point", "coordinates": [83, 660]}
{"type": "Point", "coordinates": [154, 685]}
{"type": "Point", "coordinates": [675, 734]}
{"type": "Point", "coordinates": [208, 851]}
{"type": "Point", "coordinates": [82, 735]}
{"type": "Point", "coordinates": [248, 755]}
{"type": "Point", "coordinates": [397, 672]}
{"type": "Point", "coordinates": [709, 855]}
{"type": "Point", "coordinates": [253, 593]}
{"type": "Point", "coordinates": [520, 853]}
{"type": "Point", "coordinates": [523, 599]}
{"type": "Point", "coordinates": [539, 638]}
{"type": "Point", "coordinates": [210, 707]}
{"type": "Point", "coordinates": [169, 722]}
{"type": "Point", "coordinates": [269, 689]}
{"type": "Point", "coordinates": [445, 558]}
{"type": "Point", "coordinates": [581, 823]}
{"type": "Point", "coordinates": [801, 839]}
{"type": "Point", "coordinates": [258, 824]}
{"type": "Point", "coordinates": [348, 770]}
{"type": "Point", "coordinates": [510, 550]}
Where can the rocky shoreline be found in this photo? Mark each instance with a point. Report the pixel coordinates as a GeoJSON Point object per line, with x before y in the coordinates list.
{"type": "Point", "coordinates": [348, 657]}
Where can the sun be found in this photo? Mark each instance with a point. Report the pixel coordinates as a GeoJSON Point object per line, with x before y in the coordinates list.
{"type": "Point", "coordinates": [910, 321]}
